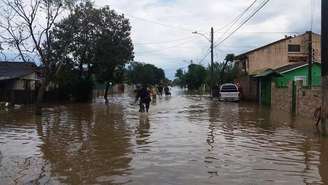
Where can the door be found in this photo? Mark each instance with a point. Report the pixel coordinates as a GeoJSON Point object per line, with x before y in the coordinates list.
{"type": "Point", "coordinates": [266, 91]}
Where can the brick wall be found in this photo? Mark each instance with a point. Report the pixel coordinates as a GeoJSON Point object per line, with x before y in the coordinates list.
{"type": "Point", "coordinates": [249, 88]}
{"type": "Point", "coordinates": [281, 98]}
{"type": "Point", "coordinates": [307, 100]}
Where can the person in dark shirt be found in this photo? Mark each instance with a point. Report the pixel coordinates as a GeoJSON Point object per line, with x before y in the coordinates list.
{"type": "Point", "coordinates": [143, 95]}
{"type": "Point", "coordinates": [167, 91]}
{"type": "Point", "coordinates": [160, 90]}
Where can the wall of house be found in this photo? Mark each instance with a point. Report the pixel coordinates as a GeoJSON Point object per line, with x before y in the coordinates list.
{"type": "Point", "coordinates": [281, 98]}
{"type": "Point", "coordinates": [249, 88]}
{"type": "Point", "coordinates": [277, 55]}
{"type": "Point", "coordinates": [269, 57]}
{"type": "Point", "coordinates": [307, 100]}
{"type": "Point", "coordinates": [20, 83]}
{"type": "Point", "coordinates": [290, 76]}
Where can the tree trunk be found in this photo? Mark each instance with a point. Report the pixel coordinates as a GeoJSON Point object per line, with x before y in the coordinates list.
{"type": "Point", "coordinates": [81, 70]}
{"type": "Point", "coordinates": [222, 72]}
{"type": "Point", "coordinates": [40, 97]}
{"type": "Point", "coordinates": [324, 106]}
{"type": "Point", "coordinates": [106, 93]}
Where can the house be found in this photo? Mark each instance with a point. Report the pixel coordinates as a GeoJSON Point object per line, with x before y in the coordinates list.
{"type": "Point", "coordinates": [287, 51]}
{"type": "Point", "coordinates": [283, 75]}
{"type": "Point", "coordinates": [18, 81]}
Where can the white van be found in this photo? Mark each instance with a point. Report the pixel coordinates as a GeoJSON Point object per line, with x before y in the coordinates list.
{"type": "Point", "coordinates": [229, 92]}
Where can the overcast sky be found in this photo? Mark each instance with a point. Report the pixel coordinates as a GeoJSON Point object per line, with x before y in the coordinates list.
{"type": "Point", "coordinates": [162, 29]}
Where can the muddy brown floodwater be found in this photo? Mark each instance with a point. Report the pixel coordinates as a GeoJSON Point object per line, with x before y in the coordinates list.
{"type": "Point", "coordinates": [185, 139]}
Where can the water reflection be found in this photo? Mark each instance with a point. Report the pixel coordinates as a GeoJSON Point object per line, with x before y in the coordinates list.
{"type": "Point", "coordinates": [323, 161]}
{"type": "Point", "coordinates": [187, 139]}
{"type": "Point", "coordinates": [142, 132]}
{"type": "Point", "coordinates": [90, 149]}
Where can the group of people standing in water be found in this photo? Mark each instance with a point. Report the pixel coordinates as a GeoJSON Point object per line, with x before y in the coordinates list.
{"type": "Point", "coordinates": [147, 94]}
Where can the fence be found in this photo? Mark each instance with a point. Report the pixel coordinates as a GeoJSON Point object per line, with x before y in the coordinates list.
{"type": "Point", "coordinates": [295, 98]}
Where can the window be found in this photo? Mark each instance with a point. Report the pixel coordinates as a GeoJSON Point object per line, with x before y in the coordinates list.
{"type": "Point", "coordinates": [301, 78]}
{"type": "Point", "coordinates": [294, 48]}
{"type": "Point", "coordinates": [27, 85]}
{"type": "Point", "coordinates": [229, 88]}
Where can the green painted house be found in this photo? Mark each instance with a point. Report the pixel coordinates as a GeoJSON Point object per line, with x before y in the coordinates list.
{"type": "Point", "coordinates": [281, 76]}
{"type": "Point", "coordinates": [297, 72]}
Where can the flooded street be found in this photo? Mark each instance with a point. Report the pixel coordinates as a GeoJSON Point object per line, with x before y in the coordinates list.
{"type": "Point", "coordinates": [185, 139]}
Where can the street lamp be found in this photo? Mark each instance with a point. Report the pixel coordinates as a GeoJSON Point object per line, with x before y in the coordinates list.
{"type": "Point", "coordinates": [202, 34]}
{"type": "Point", "coordinates": [212, 67]}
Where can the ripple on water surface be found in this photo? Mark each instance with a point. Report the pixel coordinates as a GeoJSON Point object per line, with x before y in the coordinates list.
{"type": "Point", "coordinates": [183, 140]}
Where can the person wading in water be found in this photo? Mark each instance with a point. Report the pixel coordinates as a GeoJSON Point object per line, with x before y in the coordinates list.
{"type": "Point", "coordinates": [143, 95]}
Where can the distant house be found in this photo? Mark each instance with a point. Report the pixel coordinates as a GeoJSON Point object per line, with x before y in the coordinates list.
{"type": "Point", "coordinates": [283, 75]}
{"type": "Point", "coordinates": [284, 52]}
{"type": "Point", "coordinates": [18, 80]}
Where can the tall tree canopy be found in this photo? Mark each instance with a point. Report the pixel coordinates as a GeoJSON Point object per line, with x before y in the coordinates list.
{"type": "Point", "coordinates": [139, 73]}
{"type": "Point", "coordinates": [99, 42]}
{"type": "Point", "coordinates": [196, 76]}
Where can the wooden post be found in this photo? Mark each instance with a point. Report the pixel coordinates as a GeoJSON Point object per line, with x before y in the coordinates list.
{"type": "Point", "coordinates": [310, 57]}
{"type": "Point", "coordinates": [324, 65]}
{"type": "Point", "coordinates": [212, 62]}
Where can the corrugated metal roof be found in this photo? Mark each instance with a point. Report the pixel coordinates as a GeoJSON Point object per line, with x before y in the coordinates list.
{"type": "Point", "coordinates": [267, 73]}
{"type": "Point", "coordinates": [12, 70]}
{"type": "Point", "coordinates": [291, 67]}
{"type": "Point", "coordinates": [282, 70]}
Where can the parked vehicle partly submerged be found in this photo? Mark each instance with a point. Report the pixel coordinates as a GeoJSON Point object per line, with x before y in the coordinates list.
{"type": "Point", "coordinates": [229, 92]}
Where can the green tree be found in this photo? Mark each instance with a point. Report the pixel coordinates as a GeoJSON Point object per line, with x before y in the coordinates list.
{"type": "Point", "coordinates": [139, 73]}
{"type": "Point", "coordinates": [225, 71]}
{"type": "Point", "coordinates": [195, 77]}
{"type": "Point", "coordinates": [228, 59]}
{"type": "Point", "coordinates": [179, 73]}
{"type": "Point", "coordinates": [180, 78]}
{"type": "Point", "coordinates": [99, 42]}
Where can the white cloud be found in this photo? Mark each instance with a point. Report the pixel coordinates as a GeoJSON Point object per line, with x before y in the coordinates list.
{"type": "Point", "coordinates": [181, 17]}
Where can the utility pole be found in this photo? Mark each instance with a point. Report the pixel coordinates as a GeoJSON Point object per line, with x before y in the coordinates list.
{"type": "Point", "coordinates": [212, 62]}
{"type": "Point", "coordinates": [212, 57]}
{"type": "Point", "coordinates": [310, 60]}
{"type": "Point", "coordinates": [324, 65]}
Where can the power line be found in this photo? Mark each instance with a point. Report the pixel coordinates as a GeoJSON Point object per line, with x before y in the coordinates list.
{"type": "Point", "coordinates": [236, 19]}
{"type": "Point", "coordinates": [272, 32]}
{"type": "Point", "coordinates": [244, 22]}
{"type": "Point", "coordinates": [205, 56]}
{"type": "Point", "coordinates": [170, 47]}
{"type": "Point", "coordinates": [162, 42]}
{"type": "Point", "coordinates": [161, 24]}
{"type": "Point", "coordinates": [152, 21]}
